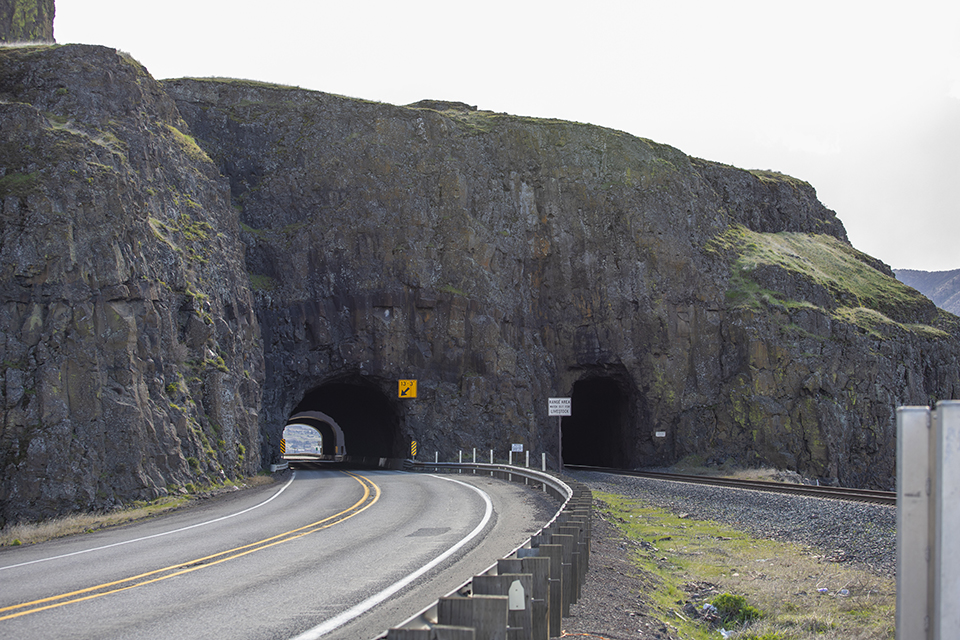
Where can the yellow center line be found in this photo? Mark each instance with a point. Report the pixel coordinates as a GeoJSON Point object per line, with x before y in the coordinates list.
{"type": "Point", "coordinates": [208, 561]}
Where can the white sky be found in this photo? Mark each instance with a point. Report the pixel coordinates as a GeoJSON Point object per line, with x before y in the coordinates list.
{"type": "Point", "coordinates": [859, 98]}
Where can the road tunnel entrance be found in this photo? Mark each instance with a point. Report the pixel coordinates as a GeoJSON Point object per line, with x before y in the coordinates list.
{"type": "Point", "coordinates": [368, 424]}
{"type": "Point", "coordinates": [597, 432]}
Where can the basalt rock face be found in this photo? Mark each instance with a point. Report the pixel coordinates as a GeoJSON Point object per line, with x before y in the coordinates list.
{"type": "Point", "coordinates": [165, 307]}
{"type": "Point", "coordinates": [27, 21]}
{"type": "Point", "coordinates": [131, 353]}
{"type": "Point", "coordinates": [501, 261]}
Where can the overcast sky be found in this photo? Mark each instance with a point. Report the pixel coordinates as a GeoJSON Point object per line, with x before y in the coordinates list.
{"type": "Point", "coordinates": [861, 99]}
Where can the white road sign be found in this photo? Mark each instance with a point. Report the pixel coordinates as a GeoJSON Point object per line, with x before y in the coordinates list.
{"type": "Point", "coordinates": [558, 407]}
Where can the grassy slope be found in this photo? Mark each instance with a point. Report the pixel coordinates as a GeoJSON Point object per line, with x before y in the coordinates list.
{"type": "Point", "coordinates": [864, 296]}
{"type": "Point", "coordinates": [800, 594]}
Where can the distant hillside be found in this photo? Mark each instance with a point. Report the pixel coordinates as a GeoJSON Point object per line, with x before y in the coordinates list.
{"type": "Point", "coordinates": [943, 287]}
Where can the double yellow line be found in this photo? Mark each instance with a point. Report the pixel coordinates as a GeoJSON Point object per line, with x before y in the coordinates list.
{"type": "Point", "coordinates": [371, 493]}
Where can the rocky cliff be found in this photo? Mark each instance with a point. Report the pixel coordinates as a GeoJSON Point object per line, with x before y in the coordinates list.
{"type": "Point", "coordinates": [502, 260]}
{"type": "Point", "coordinates": [131, 352]}
{"type": "Point", "coordinates": [186, 265]}
{"type": "Point", "coordinates": [27, 21]}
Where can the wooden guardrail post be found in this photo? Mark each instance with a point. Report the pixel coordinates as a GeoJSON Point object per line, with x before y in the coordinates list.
{"type": "Point", "coordinates": [570, 529]}
{"type": "Point", "coordinates": [539, 570]}
{"type": "Point", "coordinates": [518, 587]}
{"type": "Point", "coordinates": [546, 578]}
{"type": "Point", "coordinates": [554, 553]}
{"type": "Point", "coordinates": [566, 566]}
{"type": "Point", "coordinates": [436, 632]}
{"type": "Point", "coordinates": [486, 614]}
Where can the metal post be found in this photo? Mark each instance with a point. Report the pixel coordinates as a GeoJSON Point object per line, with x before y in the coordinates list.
{"type": "Point", "coordinates": [543, 461]}
{"type": "Point", "coordinates": [913, 531]}
{"type": "Point", "coordinates": [560, 443]}
{"type": "Point", "coordinates": [946, 554]}
{"type": "Point", "coordinates": [928, 548]}
{"type": "Point", "coordinates": [474, 455]}
{"type": "Point", "coordinates": [528, 458]}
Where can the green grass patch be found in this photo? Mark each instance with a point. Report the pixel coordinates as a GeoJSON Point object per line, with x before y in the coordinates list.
{"type": "Point", "coordinates": [19, 184]}
{"type": "Point", "coordinates": [760, 588]}
{"type": "Point", "coordinates": [188, 144]}
{"type": "Point", "coordinates": [866, 297]}
{"type": "Point", "coordinates": [260, 282]}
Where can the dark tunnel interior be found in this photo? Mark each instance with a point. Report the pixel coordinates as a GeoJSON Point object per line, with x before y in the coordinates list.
{"type": "Point", "coordinates": [595, 433]}
{"type": "Point", "coordinates": [370, 424]}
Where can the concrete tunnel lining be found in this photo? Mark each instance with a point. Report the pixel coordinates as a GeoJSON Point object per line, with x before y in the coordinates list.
{"type": "Point", "coordinates": [311, 418]}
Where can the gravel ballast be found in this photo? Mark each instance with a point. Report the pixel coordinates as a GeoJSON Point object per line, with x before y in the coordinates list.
{"type": "Point", "coordinates": [612, 602]}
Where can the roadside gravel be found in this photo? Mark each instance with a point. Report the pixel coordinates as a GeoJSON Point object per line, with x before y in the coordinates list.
{"type": "Point", "coordinates": [612, 604]}
{"type": "Point", "coordinates": [857, 532]}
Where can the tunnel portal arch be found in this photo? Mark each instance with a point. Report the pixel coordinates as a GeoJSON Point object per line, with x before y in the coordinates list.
{"type": "Point", "coordinates": [367, 421]}
{"type": "Point", "coordinates": [598, 430]}
{"type": "Point", "coordinates": [332, 443]}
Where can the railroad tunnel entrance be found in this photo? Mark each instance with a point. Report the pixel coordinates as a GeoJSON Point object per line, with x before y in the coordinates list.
{"type": "Point", "coordinates": [356, 415]}
{"type": "Point", "coordinates": [597, 432]}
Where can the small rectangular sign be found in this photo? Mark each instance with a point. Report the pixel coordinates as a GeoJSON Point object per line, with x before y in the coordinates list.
{"type": "Point", "coordinates": [517, 448]}
{"type": "Point", "coordinates": [407, 389]}
{"type": "Point", "coordinates": [559, 407]}
{"type": "Point", "coordinates": [660, 434]}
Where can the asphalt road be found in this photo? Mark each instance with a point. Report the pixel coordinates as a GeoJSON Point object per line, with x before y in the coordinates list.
{"type": "Point", "coordinates": [330, 554]}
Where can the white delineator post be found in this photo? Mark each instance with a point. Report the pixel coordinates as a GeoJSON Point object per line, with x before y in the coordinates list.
{"type": "Point", "coordinates": [928, 522]}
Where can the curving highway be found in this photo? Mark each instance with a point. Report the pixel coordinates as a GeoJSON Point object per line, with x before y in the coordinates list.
{"type": "Point", "coordinates": [328, 553]}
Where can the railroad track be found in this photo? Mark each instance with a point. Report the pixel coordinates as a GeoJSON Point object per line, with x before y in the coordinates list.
{"type": "Point", "coordinates": [838, 493]}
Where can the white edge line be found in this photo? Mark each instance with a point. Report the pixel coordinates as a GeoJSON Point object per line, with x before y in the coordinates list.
{"type": "Point", "coordinates": [359, 609]}
{"type": "Point", "coordinates": [157, 535]}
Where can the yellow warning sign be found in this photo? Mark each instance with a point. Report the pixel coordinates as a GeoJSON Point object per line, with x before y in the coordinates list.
{"type": "Point", "coordinates": [408, 389]}
{"type": "Point", "coordinates": [413, 448]}
{"type": "Point", "coordinates": [283, 446]}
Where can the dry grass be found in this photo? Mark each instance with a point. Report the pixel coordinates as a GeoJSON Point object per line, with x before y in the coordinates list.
{"type": "Point", "coordinates": [801, 593]}
{"type": "Point", "coordinates": [32, 533]}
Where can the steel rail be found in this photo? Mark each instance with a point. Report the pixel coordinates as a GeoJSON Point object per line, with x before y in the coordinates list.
{"type": "Point", "coordinates": [837, 493]}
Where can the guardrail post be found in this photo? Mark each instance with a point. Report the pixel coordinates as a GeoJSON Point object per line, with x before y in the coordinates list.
{"type": "Point", "coordinates": [566, 566]}
{"type": "Point", "coordinates": [544, 573]}
{"type": "Point", "coordinates": [518, 587]}
{"type": "Point", "coordinates": [486, 614]}
{"type": "Point", "coordinates": [436, 632]}
{"type": "Point", "coordinates": [571, 529]}
{"type": "Point", "coordinates": [554, 554]}
{"type": "Point", "coordinates": [539, 569]}
{"type": "Point", "coordinates": [928, 547]}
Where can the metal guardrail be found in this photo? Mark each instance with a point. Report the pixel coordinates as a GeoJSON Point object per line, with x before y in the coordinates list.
{"type": "Point", "coordinates": [550, 483]}
{"type": "Point", "coordinates": [488, 602]}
